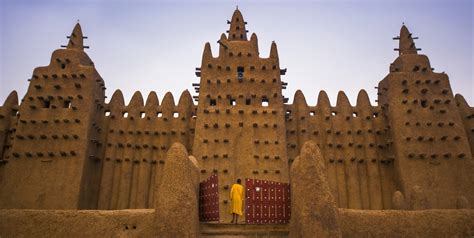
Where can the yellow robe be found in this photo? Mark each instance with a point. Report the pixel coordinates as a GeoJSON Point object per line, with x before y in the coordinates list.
{"type": "Point", "coordinates": [236, 198]}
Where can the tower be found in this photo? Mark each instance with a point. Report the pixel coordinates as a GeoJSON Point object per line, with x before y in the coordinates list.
{"type": "Point", "coordinates": [240, 127]}
{"type": "Point", "coordinates": [431, 146]}
{"type": "Point", "coordinates": [53, 161]}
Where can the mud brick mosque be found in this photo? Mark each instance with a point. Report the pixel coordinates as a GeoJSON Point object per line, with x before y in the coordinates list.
{"type": "Point", "coordinates": [403, 167]}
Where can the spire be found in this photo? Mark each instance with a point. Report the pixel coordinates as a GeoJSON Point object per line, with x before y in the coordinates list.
{"type": "Point", "coordinates": [406, 43]}
{"type": "Point", "coordinates": [76, 39]}
{"type": "Point", "coordinates": [207, 54]}
{"type": "Point", "coordinates": [274, 51]}
{"type": "Point", "coordinates": [237, 27]}
{"type": "Point", "coordinates": [254, 41]}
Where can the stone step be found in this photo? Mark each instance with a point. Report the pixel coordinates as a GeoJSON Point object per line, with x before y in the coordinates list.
{"type": "Point", "coordinates": [228, 230]}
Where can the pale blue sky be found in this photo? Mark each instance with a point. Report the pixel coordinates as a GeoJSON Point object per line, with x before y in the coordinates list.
{"type": "Point", "coordinates": [155, 45]}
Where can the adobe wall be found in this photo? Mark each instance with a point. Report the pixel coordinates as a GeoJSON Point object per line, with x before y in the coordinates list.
{"type": "Point", "coordinates": [84, 223]}
{"type": "Point", "coordinates": [355, 143]}
{"type": "Point", "coordinates": [52, 160]}
{"type": "Point", "coordinates": [137, 139]}
{"type": "Point", "coordinates": [240, 128]}
{"type": "Point", "coordinates": [426, 223]}
{"type": "Point", "coordinates": [138, 223]}
{"type": "Point", "coordinates": [8, 121]}
{"type": "Point", "coordinates": [467, 115]}
{"type": "Point", "coordinates": [430, 140]}
{"type": "Point", "coordinates": [65, 148]}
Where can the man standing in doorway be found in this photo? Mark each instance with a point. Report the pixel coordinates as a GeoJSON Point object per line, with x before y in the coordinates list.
{"type": "Point", "coordinates": [236, 198]}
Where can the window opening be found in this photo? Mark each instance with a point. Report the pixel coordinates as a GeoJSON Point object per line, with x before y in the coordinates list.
{"type": "Point", "coordinates": [213, 102]}
{"type": "Point", "coordinates": [46, 104]}
{"type": "Point", "coordinates": [424, 103]}
{"type": "Point", "coordinates": [240, 73]}
{"type": "Point", "coordinates": [67, 104]}
{"type": "Point", "coordinates": [264, 102]}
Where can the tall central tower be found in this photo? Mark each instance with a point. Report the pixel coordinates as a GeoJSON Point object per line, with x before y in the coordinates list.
{"type": "Point", "coordinates": [240, 127]}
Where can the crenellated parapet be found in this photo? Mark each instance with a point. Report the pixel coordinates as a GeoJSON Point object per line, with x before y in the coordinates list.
{"type": "Point", "coordinates": [355, 145]}
{"type": "Point", "coordinates": [139, 135]}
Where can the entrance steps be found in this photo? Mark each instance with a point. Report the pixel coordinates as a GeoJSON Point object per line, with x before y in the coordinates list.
{"type": "Point", "coordinates": [227, 230]}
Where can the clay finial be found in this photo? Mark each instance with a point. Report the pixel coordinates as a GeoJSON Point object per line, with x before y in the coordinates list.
{"type": "Point", "coordinates": [406, 43]}
{"type": "Point", "coordinates": [274, 50]}
{"type": "Point", "coordinates": [237, 27]}
{"type": "Point", "coordinates": [76, 41]}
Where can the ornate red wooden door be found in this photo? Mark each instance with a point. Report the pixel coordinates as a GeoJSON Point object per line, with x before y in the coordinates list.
{"type": "Point", "coordinates": [267, 202]}
{"type": "Point", "coordinates": [209, 199]}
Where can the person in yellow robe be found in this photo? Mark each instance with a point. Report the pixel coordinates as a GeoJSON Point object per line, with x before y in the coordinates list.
{"type": "Point", "coordinates": [236, 198]}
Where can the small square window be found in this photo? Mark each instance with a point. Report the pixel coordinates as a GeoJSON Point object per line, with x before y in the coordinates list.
{"type": "Point", "coordinates": [424, 103]}
{"type": "Point", "coordinates": [175, 114]}
{"type": "Point", "coordinates": [354, 114]}
{"type": "Point", "coordinates": [334, 113]}
{"type": "Point", "coordinates": [240, 73]}
{"type": "Point", "coordinates": [213, 102]}
{"type": "Point", "coordinates": [125, 114]}
{"type": "Point", "coordinates": [107, 113]}
{"type": "Point", "coordinates": [247, 101]}
{"type": "Point", "coordinates": [312, 113]}
{"type": "Point", "coordinates": [46, 104]}
{"type": "Point", "coordinates": [142, 114]}
{"type": "Point", "coordinates": [232, 102]}
{"type": "Point", "coordinates": [159, 114]}
{"type": "Point", "coordinates": [264, 102]}
{"type": "Point", "coordinates": [67, 104]}
{"type": "Point", "coordinates": [375, 114]}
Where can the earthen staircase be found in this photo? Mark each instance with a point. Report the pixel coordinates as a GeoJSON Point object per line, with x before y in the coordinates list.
{"type": "Point", "coordinates": [221, 230]}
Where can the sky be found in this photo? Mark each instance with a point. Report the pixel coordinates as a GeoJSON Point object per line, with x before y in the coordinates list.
{"type": "Point", "coordinates": [146, 45]}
